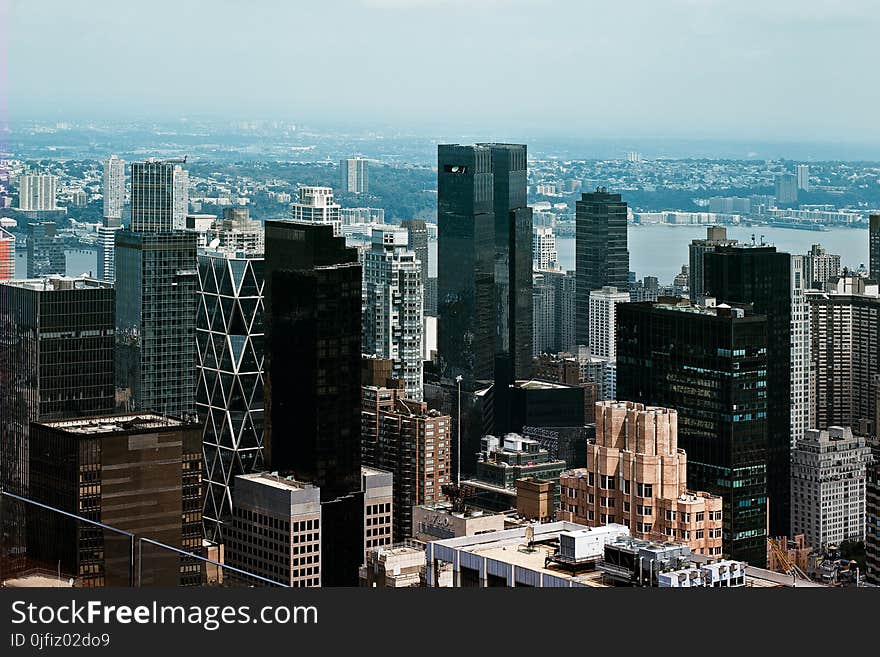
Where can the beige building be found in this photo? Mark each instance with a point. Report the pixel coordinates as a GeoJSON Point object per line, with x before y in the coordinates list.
{"type": "Point", "coordinates": [378, 507]}
{"type": "Point", "coordinates": [431, 522]}
{"type": "Point", "coordinates": [637, 476]}
{"type": "Point", "coordinates": [535, 499]}
{"type": "Point", "coordinates": [397, 567]}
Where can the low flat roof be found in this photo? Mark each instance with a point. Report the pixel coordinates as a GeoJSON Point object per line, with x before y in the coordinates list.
{"type": "Point", "coordinates": [114, 423]}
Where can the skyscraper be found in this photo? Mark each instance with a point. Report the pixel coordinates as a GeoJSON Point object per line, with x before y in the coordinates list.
{"type": "Point", "coordinates": [544, 254]}
{"type": "Point", "coordinates": [37, 192]}
{"type": "Point", "coordinates": [312, 371]}
{"type": "Point", "coordinates": [601, 255]}
{"type": "Point", "coordinates": [114, 190]}
{"type": "Point", "coordinates": [715, 236]}
{"type": "Point", "coordinates": [56, 359]}
{"type": "Point", "coordinates": [137, 473]}
{"type": "Point", "coordinates": [159, 196]}
{"type": "Point", "coordinates": [45, 250]}
{"type": "Point", "coordinates": [803, 177]}
{"type": "Point", "coordinates": [828, 486]}
{"type": "Point", "coordinates": [543, 315]}
{"type": "Point", "coordinates": [485, 268]}
{"type": "Point", "coordinates": [800, 349]}
{"type": "Point", "coordinates": [844, 353]}
{"type": "Point", "coordinates": [786, 189]}
{"type": "Point", "coordinates": [603, 321]}
{"type": "Point", "coordinates": [417, 233]}
{"type": "Point", "coordinates": [316, 205]}
{"type": "Point", "coordinates": [710, 364]}
{"type": "Point", "coordinates": [761, 276]}
{"type": "Point", "coordinates": [157, 293]}
{"type": "Point", "coordinates": [392, 318]}
{"type": "Point", "coordinates": [229, 337]}
{"type": "Point", "coordinates": [874, 245]}
{"type": "Point", "coordinates": [114, 201]}
{"type": "Point", "coordinates": [353, 177]}
{"type": "Point", "coordinates": [819, 266]}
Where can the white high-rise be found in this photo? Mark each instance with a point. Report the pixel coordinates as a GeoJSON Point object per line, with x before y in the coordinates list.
{"type": "Point", "coordinates": [181, 197]}
{"type": "Point", "coordinates": [544, 254]}
{"type": "Point", "coordinates": [803, 177]}
{"type": "Point", "coordinates": [800, 349]}
{"type": "Point", "coordinates": [603, 321]}
{"type": "Point", "coordinates": [393, 298]}
{"type": "Point", "coordinates": [828, 472]}
{"type": "Point", "coordinates": [316, 204]}
{"type": "Point", "coordinates": [114, 190]}
{"type": "Point", "coordinates": [37, 192]}
{"type": "Point", "coordinates": [544, 314]}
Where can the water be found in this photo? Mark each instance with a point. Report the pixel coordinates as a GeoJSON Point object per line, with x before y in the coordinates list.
{"type": "Point", "coordinates": [660, 251]}
{"type": "Point", "coordinates": [79, 261]}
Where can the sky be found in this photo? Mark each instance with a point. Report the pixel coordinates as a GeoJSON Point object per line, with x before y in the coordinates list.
{"type": "Point", "coordinates": [767, 69]}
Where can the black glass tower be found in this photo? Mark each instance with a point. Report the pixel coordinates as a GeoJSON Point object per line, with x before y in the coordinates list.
{"type": "Point", "coordinates": [761, 276]}
{"type": "Point", "coordinates": [484, 297]}
{"type": "Point", "coordinates": [56, 362]}
{"type": "Point", "coordinates": [711, 366]}
{"type": "Point", "coordinates": [601, 254]}
{"type": "Point", "coordinates": [312, 366]}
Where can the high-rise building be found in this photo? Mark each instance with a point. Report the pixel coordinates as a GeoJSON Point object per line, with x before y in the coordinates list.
{"type": "Point", "coordinates": [136, 473]}
{"type": "Point", "coordinates": [761, 276]}
{"type": "Point", "coordinates": [316, 205]}
{"type": "Point", "coordinates": [56, 360]}
{"type": "Point", "coordinates": [417, 233]}
{"type": "Point", "coordinates": [353, 175]}
{"type": "Point", "coordinates": [844, 353]}
{"type": "Point", "coordinates": [159, 196]}
{"type": "Point", "coordinates": [37, 192]}
{"type": "Point", "coordinates": [114, 190]}
{"type": "Point", "coordinates": [413, 443]}
{"type": "Point", "coordinates": [235, 232]}
{"type": "Point", "coordinates": [392, 316]}
{"type": "Point", "coordinates": [378, 513]}
{"type": "Point", "coordinates": [229, 393]}
{"type": "Point", "coordinates": [819, 266]}
{"type": "Point", "coordinates": [106, 243]}
{"type": "Point", "coordinates": [803, 177]}
{"type": "Point", "coordinates": [828, 487]}
{"type": "Point", "coordinates": [602, 320]}
{"type": "Point", "coordinates": [786, 189]}
{"type": "Point", "coordinates": [485, 267]}
{"type": "Point", "coordinates": [601, 254]}
{"type": "Point", "coordinates": [715, 236]}
{"type": "Point", "coordinates": [7, 255]}
{"type": "Point", "coordinates": [45, 250]}
{"type": "Point", "coordinates": [157, 294]}
{"type": "Point", "coordinates": [710, 364]}
{"type": "Point", "coordinates": [800, 350]}
{"type": "Point", "coordinates": [543, 315]}
{"type": "Point", "coordinates": [312, 367]}
{"type": "Point", "coordinates": [544, 254]}
{"type": "Point", "coordinates": [872, 521]}
{"type": "Point", "coordinates": [636, 475]}
{"type": "Point", "coordinates": [276, 529]}
{"type": "Point", "coordinates": [874, 246]}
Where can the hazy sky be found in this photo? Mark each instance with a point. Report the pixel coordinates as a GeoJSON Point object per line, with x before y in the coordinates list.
{"type": "Point", "coordinates": [779, 69]}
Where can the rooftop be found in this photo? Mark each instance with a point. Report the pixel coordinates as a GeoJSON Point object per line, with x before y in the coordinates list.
{"type": "Point", "coordinates": [115, 423]}
{"type": "Point", "coordinates": [57, 283]}
{"type": "Point", "coordinates": [276, 480]}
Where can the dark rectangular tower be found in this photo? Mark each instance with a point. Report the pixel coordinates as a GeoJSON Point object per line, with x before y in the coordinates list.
{"type": "Point", "coordinates": [601, 255]}
{"type": "Point", "coordinates": [709, 364]}
{"type": "Point", "coordinates": [761, 276]}
{"type": "Point", "coordinates": [312, 367]}
{"type": "Point", "coordinates": [874, 246]}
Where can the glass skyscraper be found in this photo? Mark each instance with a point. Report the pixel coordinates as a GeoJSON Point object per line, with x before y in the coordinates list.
{"type": "Point", "coordinates": [159, 196]}
{"type": "Point", "coordinates": [45, 251]}
{"type": "Point", "coordinates": [157, 293]}
{"type": "Point", "coordinates": [710, 364]}
{"type": "Point", "coordinates": [601, 255]}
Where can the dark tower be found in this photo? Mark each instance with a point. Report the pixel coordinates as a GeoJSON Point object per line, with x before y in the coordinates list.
{"type": "Point", "coordinates": [874, 246]}
{"type": "Point", "coordinates": [601, 255]}
{"type": "Point", "coordinates": [710, 365]}
{"type": "Point", "coordinates": [312, 366]}
{"type": "Point", "coordinates": [760, 276]}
